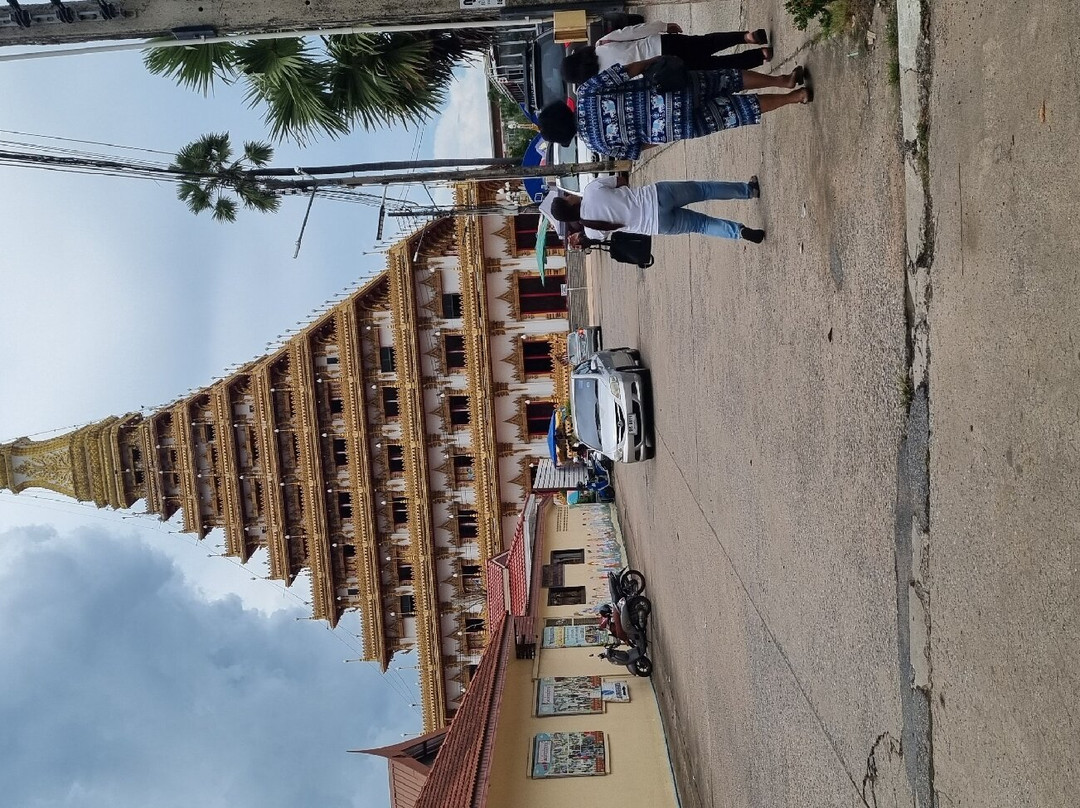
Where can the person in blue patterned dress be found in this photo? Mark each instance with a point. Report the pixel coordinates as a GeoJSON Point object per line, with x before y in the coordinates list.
{"type": "Point", "coordinates": [619, 115]}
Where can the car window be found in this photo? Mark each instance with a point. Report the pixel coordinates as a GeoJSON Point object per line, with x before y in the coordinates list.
{"type": "Point", "coordinates": [548, 64]}
{"type": "Point", "coordinates": [586, 412]}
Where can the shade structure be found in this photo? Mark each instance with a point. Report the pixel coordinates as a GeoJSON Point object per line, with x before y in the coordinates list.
{"type": "Point", "coordinates": [553, 437]}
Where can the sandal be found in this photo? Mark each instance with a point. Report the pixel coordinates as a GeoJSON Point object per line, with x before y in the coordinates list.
{"type": "Point", "coordinates": [800, 75]}
{"type": "Point", "coordinates": [809, 98]}
{"type": "Point", "coordinates": [759, 37]}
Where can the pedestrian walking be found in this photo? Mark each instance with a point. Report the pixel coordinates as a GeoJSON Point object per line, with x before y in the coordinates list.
{"type": "Point", "coordinates": [609, 205]}
{"type": "Point", "coordinates": [618, 116]}
{"type": "Point", "coordinates": [636, 43]}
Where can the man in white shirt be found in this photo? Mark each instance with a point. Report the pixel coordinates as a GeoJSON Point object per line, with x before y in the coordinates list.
{"type": "Point", "coordinates": [636, 43]}
{"type": "Point", "coordinates": [608, 204]}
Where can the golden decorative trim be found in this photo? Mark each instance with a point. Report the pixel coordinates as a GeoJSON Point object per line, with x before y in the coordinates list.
{"type": "Point", "coordinates": [523, 479]}
{"type": "Point", "coordinates": [509, 237]}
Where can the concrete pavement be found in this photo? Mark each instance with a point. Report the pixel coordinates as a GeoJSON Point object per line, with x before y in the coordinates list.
{"type": "Point", "coordinates": [860, 526]}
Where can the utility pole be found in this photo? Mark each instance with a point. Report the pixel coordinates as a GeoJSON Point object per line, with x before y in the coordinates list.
{"type": "Point", "coordinates": [496, 172]}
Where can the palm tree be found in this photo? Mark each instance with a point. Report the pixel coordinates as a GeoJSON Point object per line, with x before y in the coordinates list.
{"type": "Point", "coordinates": [370, 80]}
{"type": "Point", "coordinates": [208, 177]}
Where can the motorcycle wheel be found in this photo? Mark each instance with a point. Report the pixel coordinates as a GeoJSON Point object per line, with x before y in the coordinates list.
{"type": "Point", "coordinates": [632, 583]}
{"type": "Point", "coordinates": [642, 666]}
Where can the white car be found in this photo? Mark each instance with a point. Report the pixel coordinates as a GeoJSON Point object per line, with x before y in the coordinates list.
{"type": "Point", "coordinates": [610, 395]}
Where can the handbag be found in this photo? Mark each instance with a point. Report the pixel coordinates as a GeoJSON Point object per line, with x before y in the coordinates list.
{"type": "Point", "coordinates": [628, 248]}
{"type": "Point", "coordinates": [667, 74]}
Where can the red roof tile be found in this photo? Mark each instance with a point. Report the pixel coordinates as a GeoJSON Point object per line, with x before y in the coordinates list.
{"type": "Point", "coordinates": [407, 771]}
{"type": "Point", "coordinates": [459, 775]}
{"type": "Point", "coordinates": [509, 565]}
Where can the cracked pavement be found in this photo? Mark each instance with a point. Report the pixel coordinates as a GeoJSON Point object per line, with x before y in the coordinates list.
{"type": "Point", "coordinates": [860, 528]}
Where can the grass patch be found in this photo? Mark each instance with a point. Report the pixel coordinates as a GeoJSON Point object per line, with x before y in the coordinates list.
{"type": "Point", "coordinates": [835, 17]}
{"type": "Point", "coordinates": [904, 388]}
{"type": "Point", "coordinates": [838, 19]}
{"type": "Point", "coordinates": [893, 74]}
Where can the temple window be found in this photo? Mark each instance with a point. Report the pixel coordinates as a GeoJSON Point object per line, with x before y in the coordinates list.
{"type": "Point", "coordinates": [463, 468]}
{"type": "Point", "coordinates": [400, 510]}
{"type": "Point", "coordinates": [536, 357]}
{"type": "Point", "coordinates": [386, 359]}
{"type": "Point", "coordinates": [407, 605]}
{"type": "Point", "coordinates": [568, 556]}
{"type": "Point", "coordinates": [538, 417]}
{"type": "Point", "coordinates": [451, 306]}
{"type": "Point", "coordinates": [341, 453]}
{"type": "Point", "coordinates": [459, 410]}
{"type": "Point", "coordinates": [566, 595]}
{"type": "Point", "coordinates": [467, 524]}
{"type": "Point", "coordinates": [395, 458]}
{"type": "Point", "coordinates": [345, 505]}
{"type": "Point", "coordinates": [541, 296]}
{"type": "Point", "coordinates": [391, 407]}
{"type": "Point", "coordinates": [454, 351]}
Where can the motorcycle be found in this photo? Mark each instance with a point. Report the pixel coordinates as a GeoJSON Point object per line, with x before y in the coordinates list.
{"type": "Point", "coordinates": [627, 618]}
{"type": "Point", "coordinates": [599, 482]}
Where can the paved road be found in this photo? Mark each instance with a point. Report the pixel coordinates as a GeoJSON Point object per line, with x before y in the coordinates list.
{"type": "Point", "coordinates": [779, 508]}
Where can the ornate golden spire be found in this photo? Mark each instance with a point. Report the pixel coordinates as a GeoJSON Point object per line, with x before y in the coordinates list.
{"type": "Point", "coordinates": [91, 464]}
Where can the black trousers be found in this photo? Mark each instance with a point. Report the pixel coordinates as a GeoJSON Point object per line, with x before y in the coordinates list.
{"type": "Point", "coordinates": [697, 51]}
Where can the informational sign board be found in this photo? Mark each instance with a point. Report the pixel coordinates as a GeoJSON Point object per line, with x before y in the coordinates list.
{"type": "Point", "coordinates": [614, 690]}
{"type": "Point", "coordinates": [569, 754]}
{"type": "Point", "coordinates": [569, 695]}
{"type": "Point", "coordinates": [574, 636]}
{"type": "Point", "coordinates": [475, 4]}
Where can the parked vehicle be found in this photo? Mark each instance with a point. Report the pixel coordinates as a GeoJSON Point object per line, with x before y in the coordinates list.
{"type": "Point", "coordinates": [610, 395]}
{"type": "Point", "coordinates": [582, 344]}
{"type": "Point", "coordinates": [526, 63]}
{"type": "Point", "coordinates": [598, 485]}
{"type": "Point", "coordinates": [627, 618]}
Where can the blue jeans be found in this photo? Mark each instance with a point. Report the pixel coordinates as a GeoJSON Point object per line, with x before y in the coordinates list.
{"type": "Point", "coordinates": [673, 218]}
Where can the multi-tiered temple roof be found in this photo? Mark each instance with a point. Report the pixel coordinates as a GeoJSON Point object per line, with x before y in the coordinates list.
{"type": "Point", "coordinates": [371, 448]}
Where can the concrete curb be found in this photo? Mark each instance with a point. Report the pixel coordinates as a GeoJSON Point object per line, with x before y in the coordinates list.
{"type": "Point", "coordinates": [913, 52]}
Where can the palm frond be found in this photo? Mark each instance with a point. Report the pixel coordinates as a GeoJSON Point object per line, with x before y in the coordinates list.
{"type": "Point", "coordinates": [224, 210]}
{"type": "Point", "coordinates": [258, 153]}
{"type": "Point", "coordinates": [298, 109]}
{"type": "Point", "coordinates": [259, 200]}
{"type": "Point", "coordinates": [195, 65]}
{"type": "Point", "coordinates": [199, 200]}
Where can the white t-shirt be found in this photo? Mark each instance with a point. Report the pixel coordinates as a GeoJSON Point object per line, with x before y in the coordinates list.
{"type": "Point", "coordinates": [634, 208]}
{"type": "Point", "coordinates": [634, 43]}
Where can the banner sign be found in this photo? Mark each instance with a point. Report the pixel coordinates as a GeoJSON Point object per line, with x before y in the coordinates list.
{"type": "Point", "coordinates": [569, 754]}
{"type": "Point", "coordinates": [569, 695]}
{"type": "Point", "coordinates": [574, 636]}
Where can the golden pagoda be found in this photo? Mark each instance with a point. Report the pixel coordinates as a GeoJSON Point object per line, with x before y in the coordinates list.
{"type": "Point", "coordinates": [386, 448]}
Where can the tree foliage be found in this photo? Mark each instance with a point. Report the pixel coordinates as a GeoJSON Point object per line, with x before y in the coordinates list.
{"type": "Point", "coordinates": [210, 178]}
{"type": "Point", "coordinates": [328, 86]}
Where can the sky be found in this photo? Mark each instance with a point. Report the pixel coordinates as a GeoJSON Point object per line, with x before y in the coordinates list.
{"type": "Point", "coordinates": [139, 666]}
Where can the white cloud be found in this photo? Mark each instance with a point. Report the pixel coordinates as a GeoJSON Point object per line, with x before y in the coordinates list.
{"type": "Point", "coordinates": [118, 687]}
{"type": "Point", "coordinates": [464, 128]}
